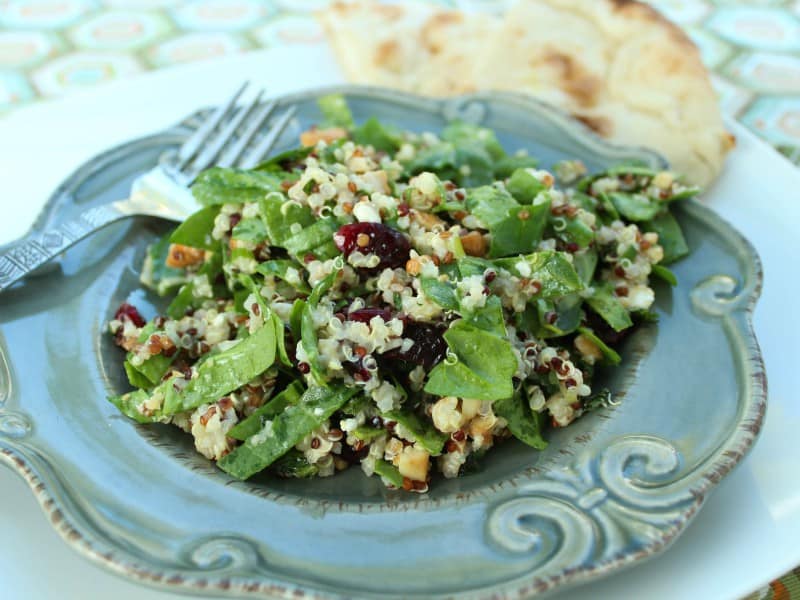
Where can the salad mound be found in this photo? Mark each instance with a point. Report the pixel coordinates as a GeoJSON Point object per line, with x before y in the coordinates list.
{"type": "Point", "coordinates": [399, 301]}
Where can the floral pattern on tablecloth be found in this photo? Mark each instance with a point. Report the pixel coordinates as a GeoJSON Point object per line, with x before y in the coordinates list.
{"type": "Point", "coordinates": [49, 48]}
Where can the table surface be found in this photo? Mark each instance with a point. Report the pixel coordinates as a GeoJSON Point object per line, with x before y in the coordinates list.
{"type": "Point", "coordinates": [69, 49]}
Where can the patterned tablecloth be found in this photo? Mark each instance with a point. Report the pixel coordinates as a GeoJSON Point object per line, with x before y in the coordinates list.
{"type": "Point", "coordinates": [49, 48]}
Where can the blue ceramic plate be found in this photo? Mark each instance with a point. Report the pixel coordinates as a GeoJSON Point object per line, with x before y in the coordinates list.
{"type": "Point", "coordinates": [614, 488]}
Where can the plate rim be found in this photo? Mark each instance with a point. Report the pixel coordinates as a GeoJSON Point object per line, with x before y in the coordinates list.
{"type": "Point", "coordinates": [737, 445]}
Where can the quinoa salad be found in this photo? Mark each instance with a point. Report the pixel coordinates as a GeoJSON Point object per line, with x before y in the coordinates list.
{"type": "Point", "coordinates": [394, 301]}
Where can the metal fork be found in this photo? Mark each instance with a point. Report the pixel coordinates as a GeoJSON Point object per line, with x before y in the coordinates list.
{"type": "Point", "coordinates": [224, 139]}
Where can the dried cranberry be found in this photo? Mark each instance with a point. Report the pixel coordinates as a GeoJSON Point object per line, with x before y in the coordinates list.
{"type": "Point", "coordinates": [129, 312]}
{"type": "Point", "coordinates": [429, 346]}
{"type": "Point", "coordinates": [391, 246]}
{"type": "Point", "coordinates": [365, 315]}
{"type": "Point", "coordinates": [234, 219]}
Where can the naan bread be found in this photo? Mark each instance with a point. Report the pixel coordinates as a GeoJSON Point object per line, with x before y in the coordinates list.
{"type": "Point", "coordinates": [617, 65]}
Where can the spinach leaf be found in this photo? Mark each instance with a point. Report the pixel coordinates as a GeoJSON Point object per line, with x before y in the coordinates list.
{"type": "Point", "coordinates": [135, 378]}
{"type": "Point", "coordinates": [367, 434]}
{"type": "Point", "coordinates": [634, 207]}
{"type": "Point", "coordinates": [484, 367]}
{"type": "Point", "coordinates": [335, 112]}
{"type": "Point", "coordinates": [524, 186]}
{"type": "Point", "coordinates": [523, 423]}
{"type": "Point", "coordinates": [128, 404]}
{"type": "Point", "coordinates": [489, 317]}
{"type": "Point", "coordinates": [670, 237]}
{"type": "Point", "coordinates": [196, 230]}
{"type": "Point", "coordinates": [275, 406]}
{"type": "Point", "coordinates": [490, 204]}
{"type": "Point", "coordinates": [506, 166]}
{"type": "Point", "coordinates": [311, 237]}
{"type": "Point", "coordinates": [287, 429]}
{"type": "Point", "coordinates": [389, 472]}
{"type": "Point", "coordinates": [156, 275]}
{"type": "Point", "coordinates": [585, 264]}
{"type": "Point", "coordinates": [609, 353]}
{"type": "Point", "coordinates": [440, 292]}
{"type": "Point", "coordinates": [607, 305]}
{"type": "Point", "coordinates": [665, 274]}
{"type": "Point", "coordinates": [521, 231]}
{"type": "Point", "coordinates": [250, 230]}
{"type": "Point", "coordinates": [462, 133]}
{"type": "Point", "coordinates": [280, 214]}
{"type": "Point", "coordinates": [227, 371]}
{"type": "Point", "coordinates": [424, 433]}
{"type": "Point", "coordinates": [381, 137]}
{"type": "Point", "coordinates": [294, 464]}
{"type": "Point", "coordinates": [220, 185]}
{"type": "Point", "coordinates": [551, 269]}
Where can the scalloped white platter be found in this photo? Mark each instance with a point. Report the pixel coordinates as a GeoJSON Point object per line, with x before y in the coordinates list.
{"type": "Point", "coordinates": [744, 535]}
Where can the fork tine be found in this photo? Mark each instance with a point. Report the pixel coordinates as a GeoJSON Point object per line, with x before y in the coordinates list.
{"type": "Point", "coordinates": [210, 151]}
{"type": "Point", "coordinates": [198, 138]}
{"type": "Point", "coordinates": [230, 155]}
{"type": "Point", "coordinates": [257, 154]}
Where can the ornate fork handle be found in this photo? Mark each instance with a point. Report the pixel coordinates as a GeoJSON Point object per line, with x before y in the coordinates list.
{"type": "Point", "coordinates": [34, 250]}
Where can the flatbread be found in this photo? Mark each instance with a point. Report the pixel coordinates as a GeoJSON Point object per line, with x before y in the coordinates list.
{"type": "Point", "coordinates": [617, 65]}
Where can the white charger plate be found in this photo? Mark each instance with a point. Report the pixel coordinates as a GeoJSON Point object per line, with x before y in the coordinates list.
{"type": "Point", "coordinates": [745, 535]}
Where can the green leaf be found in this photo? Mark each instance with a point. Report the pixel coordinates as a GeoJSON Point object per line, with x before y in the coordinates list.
{"type": "Point", "coordinates": [381, 137]}
{"type": "Point", "coordinates": [585, 264]}
{"type": "Point", "coordinates": [521, 231]}
{"type": "Point", "coordinates": [523, 423]}
{"type": "Point", "coordinates": [462, 133]}
{"type": "Point", "coordinates": [634, 207]}
{"type": "Point", "coordinates": [609, 353]}
{"type": "Point", "coordinates": [250, 230]}
{"type": "Point", "coordinates": [294, 464]}
{"type": "Point", "coordinates": [670, 237]}
{"type": "Point", "coordinates": [389, 472]}
{"type": "Point", "coordinates": [128, 404]}
{"type": "Point", "coordinates": [156, 275]}
{"type": "Point", "coordinates": [423, 432]}
{"type": "Point", "coordinates": [488, 318]}
{"type": "Point", "coordinates": [227, 371]}
{"type": "Point", "coordinates": [574, 230]}
{"type": "Point", "coordinates": [279, 268]}
{"type": "Point", "coordinates": [506, 166]}
{"type": "Point", "coordinates": [287, 429]}
{"type": "Point", "coordinates": [196, 230]}
{"type": "Point", "coordinates": [524, 186]}
{"type": "Point", "coordinates": [486, 363]}
{"type": "Point", "coordinates": [282, 164]}
{"type": "Point", "coordinates": [311, 237]}
{"type": "Point", "coordinates": [607, 305]}
{"type": "Point", "coordinates": [280, 214]}
{"type": "Point", "coordinates": [295, 318]}
{"type": "Point", "coordinates": [491, 205]}
{"type": "Point", "coordinates": [551, 269]}
{"type": "Point", "coordinates": [367, 434]}
{"type": "Point", "coordinates": [135, 378]}
{"type": "Point", "coordinates": [436, 158]}
{"type": "Point", "coordinates": [441, 292]}
{"type": "Point", "coordinates": [220, 185]}
{"type": "Point", "coordinates": [308, 338]}
{"type": "Point", "coordinates": [568, 316]}
{"type": "Point", "coordinates": [472, 265]}
{"type": "Point", "coordinates": [152, 369]}
{"type": "Point", "coordinates": [665, 274]}
{"type": "Point", "coordinates": [275, 406]}
{"type": "Point", "coordinates": [335, 112]}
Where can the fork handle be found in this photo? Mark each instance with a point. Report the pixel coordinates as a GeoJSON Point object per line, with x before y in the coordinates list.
{"type": "Point", "coordinates": [31, 252]}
